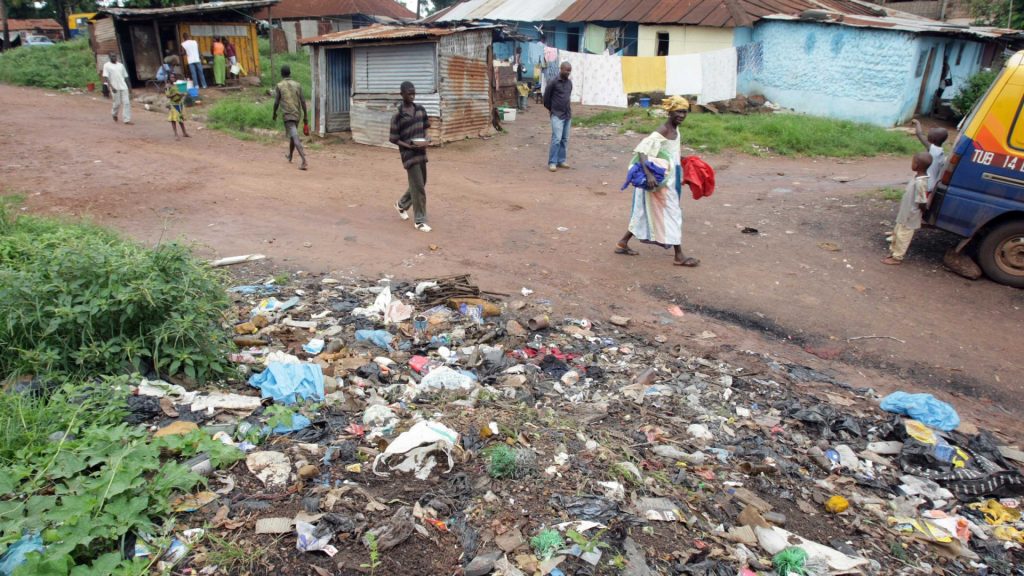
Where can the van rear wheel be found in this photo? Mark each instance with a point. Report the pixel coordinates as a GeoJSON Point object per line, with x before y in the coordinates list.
{"type": "Point", "coordinates": [1001, 253]}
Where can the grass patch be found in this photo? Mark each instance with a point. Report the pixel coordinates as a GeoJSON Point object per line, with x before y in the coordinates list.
{"type": "Point", "coordinates": [232, 556]}
{"type": "Point", "coordinates": [888, 193]}
{"type": "Point", "coordinates": [63, 65]}
{"type": "Point", "coordinates": [253, 110]}
{"type": "Point", "coordinates": [79, 301]}
{"type": "Point", "coordinates": [242, 114]}
{"type": "Point", "coordinates": [782, 134]}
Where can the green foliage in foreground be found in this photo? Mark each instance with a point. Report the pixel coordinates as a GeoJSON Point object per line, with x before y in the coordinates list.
{"type": "Point", "coordinates": [77, 300]}
{"type": "Point", "coordinates": [72, 472]}
{"type": "Point", "coordinates": [758, 134]}
{"type": "Point", "coordinates": [975, 88]}
{"type": "Point", "coordinates": [65, 64]}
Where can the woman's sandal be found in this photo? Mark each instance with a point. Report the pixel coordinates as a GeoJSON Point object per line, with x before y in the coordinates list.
{"type": "Point", "coordinates": [625, 250]}
{"type": "Point", "coordinates": [688, 262]}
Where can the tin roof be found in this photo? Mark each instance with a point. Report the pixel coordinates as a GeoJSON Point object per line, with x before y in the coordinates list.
{"type": "Point", "coordinates": [15, 25]}
{"type": "Point", "coordinates": [502, 10]}
{"type": "Point", "coordinates": [915, 25]}
{"type": "Point", "coordinates": [379, 32]}
{"type": "Point", "coordinates": [322, 8]}
{"type": "Point", "coordinates": [715, 13]}
{"type": "Point", "coordinates": [197, 9]}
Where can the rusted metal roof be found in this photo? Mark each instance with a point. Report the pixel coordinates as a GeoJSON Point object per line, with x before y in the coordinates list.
{"type": "Point", "coordinates": [322, 8]}
{"type": "Point", "coordinates": [385, 32]}
{"type": "Point", "coordinates": [502, 11]}
{"type": "Point", "coordinates": [714, 13]}
{"type": "Point", "coordinates": [17, 25]}
{"type": "Point", "coordinates": [198, 9]}
{"type": "Point", "coordinates": [915, 25]}
{"type": "Point", "coordinates": [853, 7]}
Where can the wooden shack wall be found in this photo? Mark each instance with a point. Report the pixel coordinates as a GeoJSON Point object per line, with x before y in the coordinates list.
{"type": "Point", "coordinates": [246, 47]}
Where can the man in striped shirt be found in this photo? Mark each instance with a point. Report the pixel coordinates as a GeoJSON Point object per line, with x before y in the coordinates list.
{"type": "Point", "coordinates": [409, 132]}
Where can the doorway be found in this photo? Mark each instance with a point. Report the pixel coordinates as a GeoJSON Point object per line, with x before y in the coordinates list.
{"type": "Point", "coordinates": [339, 90]}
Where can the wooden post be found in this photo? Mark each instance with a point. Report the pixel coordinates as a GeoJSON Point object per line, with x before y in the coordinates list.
{"type": "Point", "coordinates": [6, 39]}
{"type": "Point", "coordinates": [270, 35]}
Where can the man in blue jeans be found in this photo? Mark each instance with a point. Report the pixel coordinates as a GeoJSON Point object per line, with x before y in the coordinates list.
{"type": "Point", "coordinates": [195, 63]}
{"type": "Point", "coordinates": [556, 100]}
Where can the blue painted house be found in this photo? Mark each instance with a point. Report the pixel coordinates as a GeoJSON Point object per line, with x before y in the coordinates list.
{"type": "Point", "coordinates": [880, 70]}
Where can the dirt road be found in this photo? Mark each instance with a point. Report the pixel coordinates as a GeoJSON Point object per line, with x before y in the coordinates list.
{"type": "Point", "coordinates": [809, 287]}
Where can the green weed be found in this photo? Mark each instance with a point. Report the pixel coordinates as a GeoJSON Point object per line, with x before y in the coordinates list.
{"type": "Point", "coordinates": [242, 114]}
{"type": "Point", "coordinates": [279, 416]}
{"type": "Point", "coordinates": [282, 279]}
{"type": "Point", "coordinates": [588, 545]}
{"type": "Point", "coordinates": [760, 134]}
{"type": "Point", "coordinates": [233, 557]}
{"type": "Point", "coordinates": [80, 301]}
{"type": "Point", "coordinates": [302, 72]}
{"type": "Point", "coordinates": [65, 64]}
{"type": "Point", "coordinates": [547, 543]}
{"type": "Point", "coordinates": [69, 469]}
{"type": "Point", "coordinates": [375, 562]}
{"type": "Point", "coordinates": [888, 193]}
{"type": "Point", "coordinates": [618, 562]}
{"type": "Point", "coordinates": [501, 461]}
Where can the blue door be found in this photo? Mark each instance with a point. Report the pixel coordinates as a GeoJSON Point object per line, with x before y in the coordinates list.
{"type": "Point", "coordinates": [339, 89]}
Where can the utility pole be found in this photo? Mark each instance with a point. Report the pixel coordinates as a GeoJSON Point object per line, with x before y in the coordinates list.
{"type": "Point", "coordinates": [6, 40]}
{"type": "Point", "coordinates": [1009, 17]}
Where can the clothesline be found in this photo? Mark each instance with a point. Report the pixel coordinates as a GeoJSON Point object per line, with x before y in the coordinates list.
{"type": "Point", "coordinates": [607, 80]}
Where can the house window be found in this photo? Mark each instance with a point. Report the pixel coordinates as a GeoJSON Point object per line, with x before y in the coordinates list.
{"type": "Point", "coordinates": [921, 59]}
{"type": "Point", "coordinates": [662, 43]}
{"type": "Point", "coordinates": [574, 39]}
{"type": "Point", "coordinates": [960, 53]}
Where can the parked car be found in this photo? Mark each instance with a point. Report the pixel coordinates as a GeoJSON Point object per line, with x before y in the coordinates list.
{"type": "Point", "coordinates": [981, 193]}
{"type": "Point", "coordinates": [36, 41]}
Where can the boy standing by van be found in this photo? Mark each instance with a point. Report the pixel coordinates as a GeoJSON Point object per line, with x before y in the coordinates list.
{"type": "Point", "coordinates": [933, 143]}
{"type": "Point", "coordinates": [915, 200]}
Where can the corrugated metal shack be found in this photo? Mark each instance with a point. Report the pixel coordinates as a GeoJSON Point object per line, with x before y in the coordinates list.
{"type": "Point", "coordinates": [143, 37]}
{"type": "Point", "coordinates": [357, 75]}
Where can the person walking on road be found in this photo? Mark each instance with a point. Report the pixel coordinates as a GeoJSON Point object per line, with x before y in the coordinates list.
{"type": "Point", "coordinates": [288, 97]}
{"type": "Point", "coordinates": [115, 76]}
{"type": "Point", "coordinates": [556, 100]}
{"type": "Point", "coordinates": [409, 132]}
{"type": "Point", "coordinates": [657, 217]}
{"type": "Point", "coordinates": [195, 63]}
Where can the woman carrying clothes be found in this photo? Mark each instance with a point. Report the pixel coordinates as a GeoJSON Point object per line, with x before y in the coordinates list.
{"type": "Point", "coordinates": [657, 217]}
{"type": "Point", "coordinates": [218, 61]}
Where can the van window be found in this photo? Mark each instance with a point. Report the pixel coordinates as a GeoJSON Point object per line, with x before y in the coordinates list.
{"type": "Point", "coordinates": [1015, 139]}
{"type": "Point", "coordinates": [967, 119]}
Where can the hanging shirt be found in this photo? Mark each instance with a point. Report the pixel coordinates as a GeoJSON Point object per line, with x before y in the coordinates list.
{"type": "Point", "coordinates": [191, 48]}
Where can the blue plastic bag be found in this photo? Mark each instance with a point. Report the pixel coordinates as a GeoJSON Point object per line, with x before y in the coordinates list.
{"type": "Point", "coordinates": [299, 422]}
{"type": "Point", "coordinates": [289, 383]}
{"type": "Point", "coordinates": [379, 338]}
{"type": "Point", "coordinates": [924, 408]}
{"type": "Point", "coordinates": [15, 554]}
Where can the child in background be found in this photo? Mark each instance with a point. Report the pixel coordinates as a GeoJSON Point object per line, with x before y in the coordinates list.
{"type": "Point", "coordinates": [912, 206]}
{"type": "Point", "coordinates": [933, 142]}
{"type": "Point", "coordinates": [177, 114]}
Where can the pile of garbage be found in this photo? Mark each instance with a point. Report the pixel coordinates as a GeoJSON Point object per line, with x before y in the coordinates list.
{"type": "Point", "coordinates": [432, 428]}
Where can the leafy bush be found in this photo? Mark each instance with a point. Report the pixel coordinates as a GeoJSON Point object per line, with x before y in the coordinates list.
{"type": "Point", "coordinates": [65, 64]}
{"type": "Point", "coordinates": [975, 88]}
{"type": "Point", "coordinates": [80, 301]}
{"type": "Point", "coordinates": [756, 134]}
{"type": "Point", "coordinates": [72, 472]}
{"type": "Point", "coordinates": [298, 62]}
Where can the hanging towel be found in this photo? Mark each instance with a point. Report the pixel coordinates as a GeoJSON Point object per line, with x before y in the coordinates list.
{"type": "Point", "coordinates": [578, 70]}
{"type": "Point", "coordinates": [550, 54]}
{"type": "Point", "coordinates": [718, 73]}
{"type": "Point", "coordinates": [683, 74]}
{"type": "Point", "coordinates": [699, 176]}
{"type": "Point", "coordinates": [602, 81]}
{"type": "Point", "coordinates": [643, 74]}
